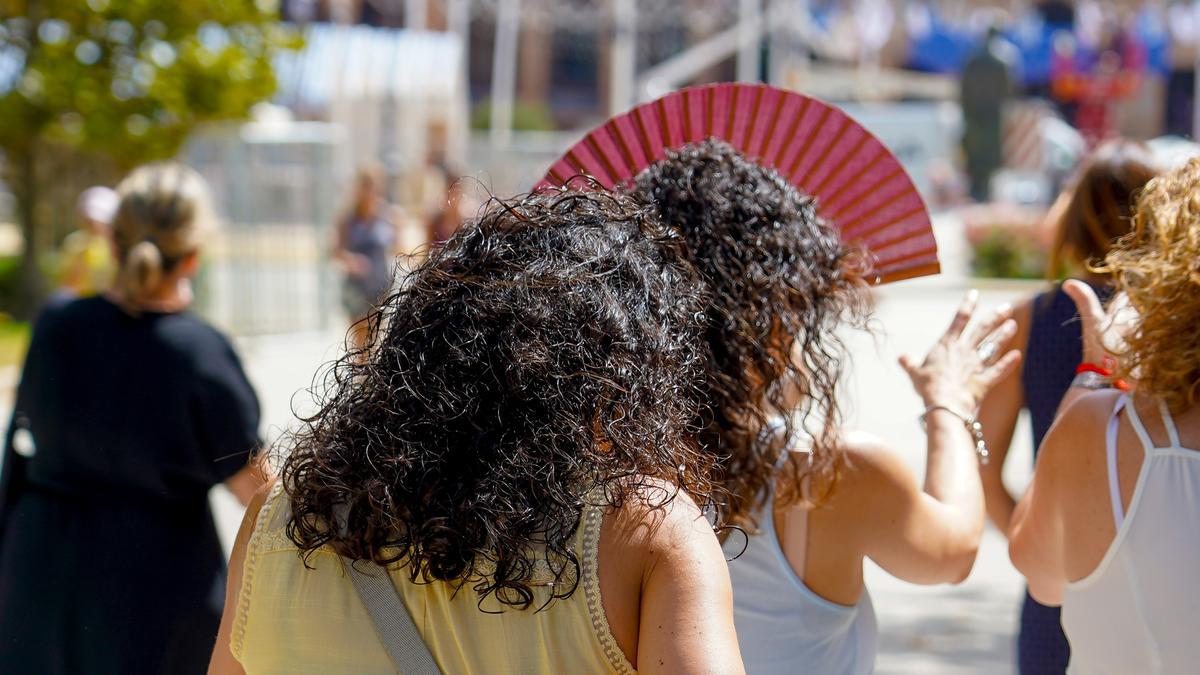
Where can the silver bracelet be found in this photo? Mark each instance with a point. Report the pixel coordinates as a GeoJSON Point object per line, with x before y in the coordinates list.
{"type": "Point", "coordinates": [1091, 380]}
{"type": "Point", "coordinates": [973, 427]}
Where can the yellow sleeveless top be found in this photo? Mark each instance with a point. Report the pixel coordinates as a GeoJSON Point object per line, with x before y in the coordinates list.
{"type": "Point", "coordinates": [296, 619]}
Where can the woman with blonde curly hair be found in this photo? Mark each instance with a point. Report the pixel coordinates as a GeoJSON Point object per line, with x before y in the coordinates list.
{"type": "Point", "coordinates": [1109, 527]}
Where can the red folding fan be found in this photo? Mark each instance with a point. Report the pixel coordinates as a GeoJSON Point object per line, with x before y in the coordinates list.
{"type": "Point", "coordinates": [859, 185]}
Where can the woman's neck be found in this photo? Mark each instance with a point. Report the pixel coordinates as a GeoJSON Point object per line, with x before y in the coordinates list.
{"type": "Point", "coordinates": [173, 295]}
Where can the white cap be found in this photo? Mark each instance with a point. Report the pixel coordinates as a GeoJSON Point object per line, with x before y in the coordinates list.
{"type": "Point", "coordinates": [98, 204]}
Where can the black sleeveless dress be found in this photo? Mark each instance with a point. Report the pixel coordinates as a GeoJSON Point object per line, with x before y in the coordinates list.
{"type": "Point", "coordinates": [109, 557]}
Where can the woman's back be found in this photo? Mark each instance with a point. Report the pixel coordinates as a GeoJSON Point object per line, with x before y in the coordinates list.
{"type": "Point", "coordinates": [150, 407]}
{"type": "Point", "coordinates": [277, 630]}
{"type": "Point", "coordinates": [132, 410]}
{"type": "Point", "coordinates": [781, 622]}
{"type": "Point", "coordinates": [1136, 611]}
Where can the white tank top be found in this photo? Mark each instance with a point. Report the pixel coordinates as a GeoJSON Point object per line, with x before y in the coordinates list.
{"type": "Point", "coordinates": [1139, 611]}
{"type": "Point", "coordinates": [784, 627]}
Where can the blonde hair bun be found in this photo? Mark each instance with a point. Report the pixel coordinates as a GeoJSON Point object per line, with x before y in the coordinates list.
{"type": "Point", "coordinates": [162, 217]}
{"type": "Point", "coordinates": [143, 268]}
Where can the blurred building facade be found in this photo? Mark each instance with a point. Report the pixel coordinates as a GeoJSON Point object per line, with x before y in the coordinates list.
{"type": "Point", "coordinates": [538, 73]}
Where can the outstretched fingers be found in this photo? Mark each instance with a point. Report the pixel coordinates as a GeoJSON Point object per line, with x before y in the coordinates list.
{"type": "Point", "coordinates": [1002, 368]}
{"type": "Point", "coordinates": [994, 331]}
{"type": "Point", "coordinates": [962, 317]}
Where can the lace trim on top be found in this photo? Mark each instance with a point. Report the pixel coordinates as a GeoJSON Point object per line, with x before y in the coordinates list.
{"type": "Point", "coordinates": [592, 520]}
{"type": "Point", "coordinates": [543, 575]}
{"type": "Point", "coordinates": [254, 549]}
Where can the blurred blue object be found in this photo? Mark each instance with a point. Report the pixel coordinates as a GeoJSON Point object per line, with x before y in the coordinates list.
{"type": "Point", "coordinates": [12, 62]}
{"type": "Point", "coordinates": [1152, 32]}
{"type": "Point", "coordinates": [936, 46]}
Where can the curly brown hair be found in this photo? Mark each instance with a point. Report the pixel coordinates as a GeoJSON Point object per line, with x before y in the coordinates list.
{"type": "Point", "coordinates": [1157, 266]}
{"type": "Point", "coordinates": [780, 282]}
{"type": "Point", "coordinates": [545, 356]}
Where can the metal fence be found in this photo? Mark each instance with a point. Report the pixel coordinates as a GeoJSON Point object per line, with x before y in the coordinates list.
{"type": "Point", "coordinates": [267, 269]}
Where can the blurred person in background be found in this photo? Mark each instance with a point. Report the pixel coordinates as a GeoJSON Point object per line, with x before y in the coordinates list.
{"type": "Point", "coordinates": [85, 261]}
{"type": "Point", "coordinates": [129, 410]}
{"type": "Point", "coordinates": [517, 452]}
{"type": "Point", "coordinates": [1090, 216]}
{"type": "Point", "coordinates": [987, 82]}
{"type": "Point", "coordinates": [449, 212]}
{"type": "Point", "coordinates": [1110, 528]}
{"type": "Point", "coordinates": [365, 246]}
{"type": "Point", "coordinates": [816, 500]}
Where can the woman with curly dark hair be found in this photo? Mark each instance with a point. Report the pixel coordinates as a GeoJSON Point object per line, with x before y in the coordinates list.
{"type": "Point", "coordinates": [516, 446]}
{"type": "Point", "coordinates": [815, 499]}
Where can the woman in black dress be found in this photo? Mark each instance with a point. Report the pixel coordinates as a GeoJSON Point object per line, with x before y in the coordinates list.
{"type": "Point", "coordinates": [129, 410]}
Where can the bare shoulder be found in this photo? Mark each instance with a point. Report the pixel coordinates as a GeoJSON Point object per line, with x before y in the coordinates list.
{"type": "Point", "coordinates": [1023, 315]}
{"type": "Point", "coordinates": [673, 612]}
{"type": "Point", "coordinates": [250, 519]}
{"type": "Point", "coordinates": [259, 499]}
{"type": "Point", "coordinates": [872, 480]}
{"type": "Point", "coordinates": [1072, 455]}
{"type": "Point", "coordinates": [1023, 311]}
{"type": "Point", "coordinates": [1081, 425]}
{"type": "Point", "coordinates": [1086, 410]}
{"type": "Point", "coordinates": [658, 517]}
{"type": "Point", "coordinates": [870, 464]}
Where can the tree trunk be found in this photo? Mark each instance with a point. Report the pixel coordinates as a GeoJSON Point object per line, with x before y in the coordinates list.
{"type": "Point", "coordinates": [32, 288]}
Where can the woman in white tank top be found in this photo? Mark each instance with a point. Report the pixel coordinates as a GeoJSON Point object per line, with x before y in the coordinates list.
{"type": "Point", "coordinates": [1111, 526]}
{"type": "Point", "coordinates": [781, 285]}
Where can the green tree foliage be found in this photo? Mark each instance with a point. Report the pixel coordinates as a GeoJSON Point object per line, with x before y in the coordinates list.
{"type": "Point", "coordinates": [125, 80]}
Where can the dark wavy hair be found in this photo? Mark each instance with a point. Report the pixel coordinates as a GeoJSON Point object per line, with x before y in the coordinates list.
{"type": "Point", "coordinates": [780, 282]}
{"type": "Point", "coordinates": [546, 356]}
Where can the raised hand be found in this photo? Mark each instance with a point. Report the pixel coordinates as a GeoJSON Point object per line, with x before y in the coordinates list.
{"type": "Point", "coordinates": [964, 364]}
{"type": "Point", "coordinates": [1103, 330]}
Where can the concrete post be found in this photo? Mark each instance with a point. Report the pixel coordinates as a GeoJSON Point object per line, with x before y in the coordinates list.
{"type": "Point", "coordinates": [504, 71]}
{"type": "Point", "coordinates": [416, 14]}
{"type": "Point", "coordinates": [623, 63]}
{"type": "Point", "coordinates": [749, 40]}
